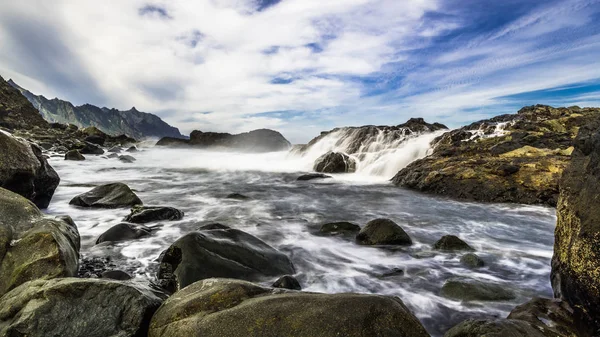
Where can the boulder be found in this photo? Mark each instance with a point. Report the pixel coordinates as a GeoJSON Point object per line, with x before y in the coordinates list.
{"type": "Point", "coordinates": [576, 260]}
{"type": "Point", "coordinates": [219, 252]}
{"type": "Point", "coordinates": [123, 232]}
{"type": "Point", "coordinates": [339, 227]}
{"type": "Point", "coordinates": [173, 142]}
{"type": "Point", "coordinates": [24, 170]}
{"type": "Point", "coordinates": [382, 232]}
{"type": "Point", "coordinates": [335, 162]}
{"type": "Point", "coordinates": [287, 282]}
{"type": "Point", "coordinates": [127, 159]}
{"type": "Point", "coordinates": [451, 243]}
{"type": "Point", "coordinates": [237, 196]}
{"type": "Point", "coordinates": [231, 308]}
{"type": "Point", "coordinates": [77, 307]}
{"type": "Point", "coordinates": [145, 214]}
{"type": "Point", "coordinates": [116, 275]}
{"type": "Point", "coordinates": [115, 195]}
{"type": "Point", "coordinates": [115, 149]}
{"type": "Point", "coordinates": [472, 261]}
{"type": "Point", "coordinates": [464, 289]}
{"type": "Point", "coordinates": [90, 148]}
{"type": "Point", "coordinates": [132, 148]}
{"type": "Point", "coordinates": [312, 176]}
{"type": "Point", "coordinates": [516, 158]}
{"type": "Point", "coordinates": [97, 139]}
{"type": "Point", "coordinates": [33, 246]}
{"type": "Point", "coordinates": [262, 140]}
{"type": "Point", "coordinates": [495, 328]}
{"type": "Point", "coordinates": [74, 155]}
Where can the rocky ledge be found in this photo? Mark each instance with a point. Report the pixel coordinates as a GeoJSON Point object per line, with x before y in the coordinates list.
{"type": "Point", "coordinates": [262, 140]}
{"type": "Point", "coordinates": [510, 158]}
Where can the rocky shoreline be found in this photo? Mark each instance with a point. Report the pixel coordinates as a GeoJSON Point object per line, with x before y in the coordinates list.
{"type": "Point", "coordinates": [209, 280]}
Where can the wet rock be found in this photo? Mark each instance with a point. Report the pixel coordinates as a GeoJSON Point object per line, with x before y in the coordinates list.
{"type": "Point", "coordinates": [451, 243]}
{"type": "Point", "coordinates": [237, 196]}
{"type": "Point", "coordinates": [473, 290]}
{"type": "Point", "coordinates": [118, 275]}
{"type": "Point", "coordinates": [339, 227]}
{"type": "Point", "coordinates": [127, 159]}
{"type": "Point", "coordinates": [25, 171]}
{"type": "Point", "coordinates": [472, 261]}
{"type": "Point", "coordinates": [124, 232]}
{"type": "Point", "coordinates": [33, 246]}
{"type": "Point", "coordinates": [114, 195]}
{"type": "Point", "coordinates": [112, 155]}
{"type": "Point", "coordinates": [262, 140]}
{"type": "Point", "coordinates": [219, 252]}
{"type": "Point", "coordinates": [312, 176]}
{"type": "Point", "coordinates": [382, 232]}
{"type": "Point", "coordinates": [287, 282]}
{"type": "Point", "coordinates": [213, 226]}
{"type": "Point", "coordinates": [90, 148]}
{"type": "Point", "coordinates": [219, 308]}
{"type": "Point", "coordinates": [576, 260]}
{"type": "Point", "coordinates": [132, 148]}
{"type": "Point", "coordinates": [115, 149]}
{"type": "Point", "coordinates": [495, 328]}
{"type": "Point", "coordinates": [74, 155]}
{"type": "Point", "coordinates": [145, 214]}
{"type": "Point", "coordinates": [77, 307]}
{"type": "Point", "coordinates": [552, 316]}
{"type": "Point", "coordinates": [335, 162]}
{"type": "Point", "coordinates": [392, 273]}
{"type": "Point", "coordinates": [96, 139]}
{"type": "Point", "coordinates": [510, 158]}
{"type": "Point", "coordinates": [94, 266]}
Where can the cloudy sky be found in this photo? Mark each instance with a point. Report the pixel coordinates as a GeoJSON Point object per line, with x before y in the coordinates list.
{"type": "Point", "coordinates": [302, 66]}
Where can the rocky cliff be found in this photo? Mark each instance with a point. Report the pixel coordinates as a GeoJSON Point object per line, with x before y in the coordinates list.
{"type": "Point", "coordinates": [509, 158]}
{"type": "Point", "coordinates": [132, 122]}
{"type": "Point", "coordinates": [16, 111]}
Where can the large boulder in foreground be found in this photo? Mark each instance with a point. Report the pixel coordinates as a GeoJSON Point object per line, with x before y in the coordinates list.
{"type": "Point", "coordinates": [232, 308]}
{"type": "Point", "coordinates": [509, 158]}
{"type": "Point", "coordinates": [24, 170]}
{"type": "Point", "coordinates": [335, 162]}
{"type": "Point", "coordinates": [382, 232]}
{"type": "Point", "coordinates": [219, 251]}
{"type": "Point", "coordinates": [33, 246]}
{"type": "Point", "coordinates": [115, 195]}
{"type": "Point", "coordinates": [77, 307]}
{"type": "Point", "coordinates": [576, 260]}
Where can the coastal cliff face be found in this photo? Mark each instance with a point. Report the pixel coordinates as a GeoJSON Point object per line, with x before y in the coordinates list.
{"type": "Point", "coordinates": [16, 111]}
{"type": "Point", "coordinates": [576, 260]}
{"type": "Point", "coordinates": [131, 122]}
{"type": "Point", "coordinates": [510, 158]}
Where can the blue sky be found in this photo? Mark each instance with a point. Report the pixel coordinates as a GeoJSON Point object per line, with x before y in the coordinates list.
{"type": "Point", "coordinates": [303, 66]}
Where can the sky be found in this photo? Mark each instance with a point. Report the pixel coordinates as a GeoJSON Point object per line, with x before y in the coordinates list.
{"type": "Point", "coordinates": [305, 66]}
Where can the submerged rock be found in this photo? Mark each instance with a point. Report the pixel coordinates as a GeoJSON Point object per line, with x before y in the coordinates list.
{"type": "Point", "coordinates": [219, 251]}
{"type": "Point", "coordinates": [25, 171]}
{"type": "Point", "coordinates": [287, 282]}
{"type": "Point", "coordinates": [472, 261]}
{"type": "Point", "coordinates": [114, 195]}
{"type": "Point", "coordinates": [237, 196]}
{"type": "Point", "coordinates": [77, 307]}
{"type": "Point", "coordinates": [473, 290]}
{"type": "Point", "coordinates": [123, 232]}
{"type": "Point", "coordinates": [451, 243]}
{"type": "Point", "coordinates": [228, 308]}
{"type": "Point", "coordinates": [576, 260]}
{"type": "Point", "coordinates": [74, 155]}
{"type": "Point", "coordinates": [127, 159]}
{"type": "Point", "coordinates": [33, 246]}
{"type": "Point", "coordinates": [145, 214]}
{"type": "Point", "coordinates": [509, 158]}
{"type": "Point", "coordinates": [335, 162]}
{"type": "Point", "coordinates": [382, 232]}
{"type": "Point", "coordinates": [339, 227]}
{"type": "Point", "coordinates": [312, 176]}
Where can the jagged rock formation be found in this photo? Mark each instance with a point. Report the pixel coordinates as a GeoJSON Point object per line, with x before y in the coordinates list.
{"type": "Point", "coordinates": [576, 260]}
{"type": "Point", "coordinates": [114, 122]}
{"type": "Point", "coordinates": [509, 158]}
{"type": "Point", "coordinates": [262, 140]}
{"type": "Point", "coordinates": [15, 111]}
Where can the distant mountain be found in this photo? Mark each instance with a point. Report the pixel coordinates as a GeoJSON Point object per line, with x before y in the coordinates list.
{"type": "Point", "coordinates": [132, 122]}
{"type": "Point", "coordinates": [16, 112]}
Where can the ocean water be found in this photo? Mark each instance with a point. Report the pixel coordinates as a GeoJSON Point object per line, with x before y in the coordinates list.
{"type": "Point", "coordinates": [515, 241]}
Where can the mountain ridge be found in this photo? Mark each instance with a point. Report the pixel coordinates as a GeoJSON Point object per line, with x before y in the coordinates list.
{"type": "Point", "coordinates": [132, 122]}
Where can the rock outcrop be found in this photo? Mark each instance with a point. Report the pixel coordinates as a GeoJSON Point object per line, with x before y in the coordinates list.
{"type": "Point", "coordinates": [16, 112]}
{"type": "Point", "coordinates": [231, 308]}
{"type": "Point", "coordinates": [24, 170]}
{"type": "Point", "coordinates": [33, 246]}
{"type": "Point", "coordinates": [262, 140]}
{"type": "Point", "coordinates": [576, 260]}
{"type": "Point", "coordinates": [131, 122]}
{"type": "Point", "coordinates": [335, 162]}
{"type": "Point", "coordinates": [509, 158]}
{"type": "Point", "coordinates": [77, 307]}
{"type": "Point", "coordinates": [219, 251]}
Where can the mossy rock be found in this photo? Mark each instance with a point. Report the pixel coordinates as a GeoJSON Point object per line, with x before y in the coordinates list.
{"type": "Point", "coordinates": [232, 308]}
{"type": "Point", "coordinates": [495, 328]}
{"type": "Point", "coordinates": [382, 232]}
{"type": "Point", "coordinates": [452, 243]}
{"type": "Point", "coordinates": [473, 290]}
{"type": "Point", "coordinates": [472, 261]}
